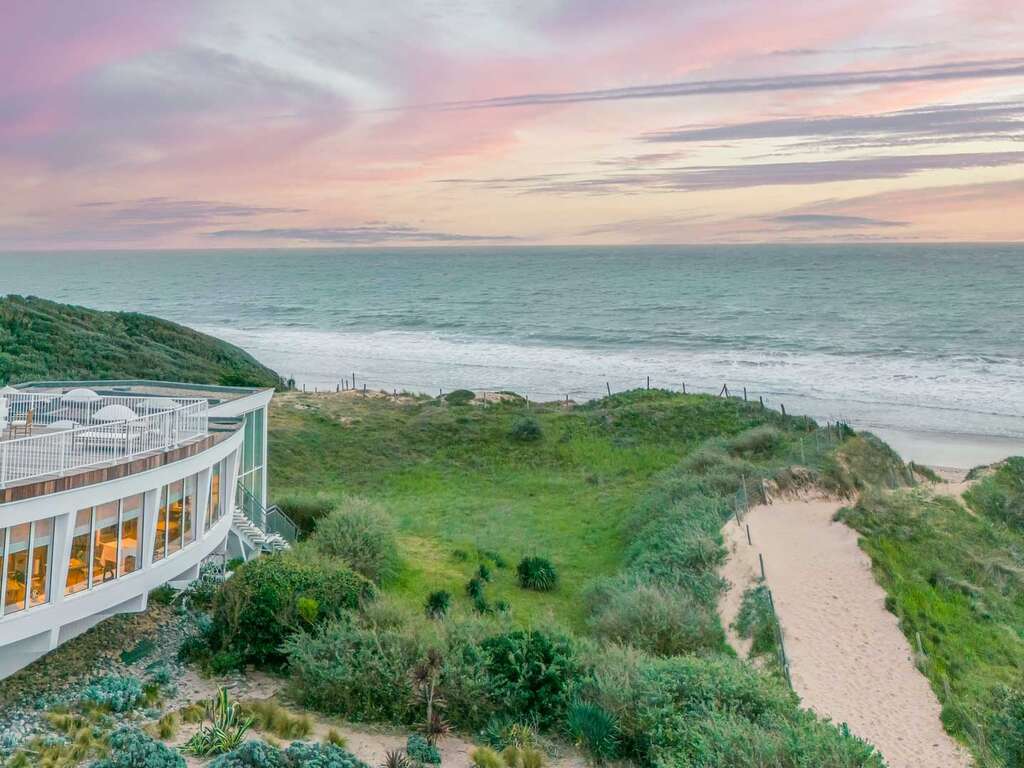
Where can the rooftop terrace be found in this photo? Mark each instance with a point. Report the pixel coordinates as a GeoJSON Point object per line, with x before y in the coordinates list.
{"type": "Point", "coordinates": [55, 433]}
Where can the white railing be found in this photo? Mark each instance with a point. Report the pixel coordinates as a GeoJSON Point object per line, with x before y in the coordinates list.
{"type": "Point", "coordinates": [52, 408]}
{"type": "Point", "coordinates": [59, 451]}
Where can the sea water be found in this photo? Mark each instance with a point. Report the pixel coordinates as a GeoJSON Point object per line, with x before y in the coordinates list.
{"type": "Point", "coordinates": [925, 338]}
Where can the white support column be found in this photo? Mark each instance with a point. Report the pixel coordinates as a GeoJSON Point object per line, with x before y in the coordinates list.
{"type": "Point", "coordinates": [151, 505]}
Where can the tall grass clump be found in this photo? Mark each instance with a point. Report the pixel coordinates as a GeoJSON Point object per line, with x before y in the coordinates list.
{"type": "Point", "coordinates": [757, 622]}
{"type": "Point", "coordinates": [305, 509]}
{"type": "Point", "coordinates": [360, 533]}
{"type": "Point", "coordinates": [999, 495]}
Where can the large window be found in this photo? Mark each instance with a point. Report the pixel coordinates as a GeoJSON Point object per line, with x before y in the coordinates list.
{"type": "Point", "coordinates": [25, 554]}
{"type": "Point", "coordinates": [213, 504]}
{"type": "Point", "coordinates": [78, 558]}
{"type": "Point", "coordinates": [176, 523]}
{"type": "Point", "coordinates": [131, 534]}
{"type": "Point", "coordinates": [42, 538]}
{"type": "Point", "coordinates": [16, 568]}
{"type": "Point", "coordinates": [250, 473]}
{"type": "Point", "coordinates": [106, 544]}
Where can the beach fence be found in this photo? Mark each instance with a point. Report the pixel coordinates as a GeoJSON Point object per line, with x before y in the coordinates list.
{"type": "Point", "coordinates": [363, 384]}
{"type": "Point", "coordinates": [740, 509]}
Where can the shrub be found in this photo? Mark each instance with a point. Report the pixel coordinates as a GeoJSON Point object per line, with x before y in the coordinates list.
{"type": "Point", "coordinates": [475, 587]}
{"type": "Point", "coordinates": [759, 442]}
{"type": "Point", "coordinates": [665, 622]}
{"type": "Point", "coordinates": [305, 755]}
{"type": "Point", "coordinates": [226, 731]}
{"type": "Point", "coordinates": [532, 673]}
{"type": "Point", "coordinates": [485, 757]}
{"type": "Point", "coordinates": [422, 751]}
{"type": "Point", "coordinates": [116, 693]}
{"type": "Point", "coordinates": [503, 731]}
{"type": "Point", "coordinates": [257, 608]}
{"type": "Point", "coordinates": [525, 429]}
{"type": "Point", "coordinates": [756, 621]}
{"type": "Point", "coordinates": [1000, 495]}
{"type": "Point", "coordinates": [251, 754]}
{"type": "Point", "coordinates": [335, 738]}
{"type": "Point", "coordinates": [594, 729]}
{"type": "Point", "coordinates": [162, 595]}
{"type": "Point", "coordinates": [360, 533]}
{"type": "Point", "coordinates": [268, 715]}
{"type": "Point", "coordinates": [536, 573]}
{"type": "Point", "coordinates": [305, 510]}
{"type": "Point", "coordinates": [359, 672]}
{"type": "Point", "coordinates": [460, 397]}
{"type": "Point", "coordinates": [131, 748]}
{"type": "Point", "coordinates": [437, 604]}
{"type": "Point", "coordinates": [1007, 727]}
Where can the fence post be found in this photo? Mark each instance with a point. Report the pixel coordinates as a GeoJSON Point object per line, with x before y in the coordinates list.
{"type": "Point", "coordinates": [684, 387]}
{"type": "Point", "coordinates": [760, 558]}
{"type": "Point", "coordinates": [609, 385]}
{"type": "Point", "coordinates": [751, 543]}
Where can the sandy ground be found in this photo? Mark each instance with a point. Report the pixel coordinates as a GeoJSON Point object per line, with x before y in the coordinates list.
{"type": "Point", "coordinates": [369, 744]}
{"type": "Point", "coordinates": [849, 661]}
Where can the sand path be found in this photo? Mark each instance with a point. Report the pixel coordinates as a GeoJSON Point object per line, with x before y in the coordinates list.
{"type": "Point", "coordinates": [849, 661]}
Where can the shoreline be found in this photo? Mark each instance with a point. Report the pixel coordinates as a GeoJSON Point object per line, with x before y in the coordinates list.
{"type": "Point", "coordinates": [948, 450]}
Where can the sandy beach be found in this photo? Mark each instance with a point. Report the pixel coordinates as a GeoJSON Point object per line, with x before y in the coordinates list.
{"type": "Point", "coordinates": [849, 661]}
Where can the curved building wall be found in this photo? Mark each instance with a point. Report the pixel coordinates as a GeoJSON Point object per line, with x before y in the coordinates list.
{"type": "Point", "coordinates": [73, 558]}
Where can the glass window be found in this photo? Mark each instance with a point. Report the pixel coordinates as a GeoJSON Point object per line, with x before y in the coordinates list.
{"type": "Point", "coordinates": [131, 530]}
{"type": "Point", "coordinates": [17, 568]}
{"type": "Point", "coordinates": [78, 557]}
{"type": "Point", "coordinates": [42, 534]}
{"type": "Point", "coordinates": [248, 453]}
{"type": "Point", "coordinates": [175, 494]}
{"type": "Point", "coordinates": [213, 505]}
{"type": "Point", "coordinates": [258, 438]}
{"type": "Point", "coordinates": [104, 545]}
{"type": "Point", "coordinates": [3, 543]}
{"type": "Point", "coordinates": [188, 519]}
{"type": "Point", "coordinates": [160, 542]}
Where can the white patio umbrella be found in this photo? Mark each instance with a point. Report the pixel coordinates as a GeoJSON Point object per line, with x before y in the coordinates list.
{"type": "Point", "coordinates": [9, 391]}
{"type": "Point", "coordinates": [80, 396]}
{"type": "Point", "coordinates": [115, 412]}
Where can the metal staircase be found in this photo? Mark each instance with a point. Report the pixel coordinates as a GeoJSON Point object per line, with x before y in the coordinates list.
{"type": "Point", "coordinates": [260, 529]}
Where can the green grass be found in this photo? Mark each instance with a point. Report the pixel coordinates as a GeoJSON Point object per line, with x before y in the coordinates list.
{"type": "Point", "coordinates": [42, 339]}
{"type": "Point", "coordinates": [955, 579]}
{"type": "Point", "coordinates": [455, 479]}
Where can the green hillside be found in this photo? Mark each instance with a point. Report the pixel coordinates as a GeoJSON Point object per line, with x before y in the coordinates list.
{"type": "Point", "coordinates": [42, 339]}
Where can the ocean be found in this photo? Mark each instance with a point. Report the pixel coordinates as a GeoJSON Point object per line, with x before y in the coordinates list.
{"type": "Point", "coordinates": [922, 338]}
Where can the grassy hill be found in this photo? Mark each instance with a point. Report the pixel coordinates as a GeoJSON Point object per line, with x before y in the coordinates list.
{"type": "Point", "coordinates": [42, 339]}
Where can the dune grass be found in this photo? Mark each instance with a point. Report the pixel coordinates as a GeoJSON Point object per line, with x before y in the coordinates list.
{"type": "Point", "coordinates": [466, 485]}
{"type": "Point", "coordinates": [955, 579]}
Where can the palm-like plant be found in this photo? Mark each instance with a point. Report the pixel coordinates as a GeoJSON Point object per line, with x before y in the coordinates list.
{"type": "Point", "coordinates": [226, 729]}
{"type": "Point", "coordinates": [425, 678]}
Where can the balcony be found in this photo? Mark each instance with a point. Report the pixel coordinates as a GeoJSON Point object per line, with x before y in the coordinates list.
{"type": "Point", "coordinates": [52, 435]}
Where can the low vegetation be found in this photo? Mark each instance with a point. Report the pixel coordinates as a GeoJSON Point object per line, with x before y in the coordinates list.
{"type": "Point", "coordinates": [42, 339]}
{"type": "Point", "coordinates": [954, 578]}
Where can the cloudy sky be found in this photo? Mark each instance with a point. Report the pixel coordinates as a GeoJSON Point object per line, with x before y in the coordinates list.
{"type": "Point", "coordinates": [243, 123]}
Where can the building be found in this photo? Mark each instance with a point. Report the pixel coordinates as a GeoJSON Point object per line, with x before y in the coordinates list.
{"type": "Point", "coordinates": [109, 489]}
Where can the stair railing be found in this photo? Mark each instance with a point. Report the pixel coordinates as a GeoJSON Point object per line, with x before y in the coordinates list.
{"type": "Point", "coordinates": [271, 520]}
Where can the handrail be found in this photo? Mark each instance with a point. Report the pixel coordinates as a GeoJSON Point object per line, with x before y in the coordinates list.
{"type": "Point", "coordinates": [271, 520]}
{"type": "Point", "coordinates": [58, 453]}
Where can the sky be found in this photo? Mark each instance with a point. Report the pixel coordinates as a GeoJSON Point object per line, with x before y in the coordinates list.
{"type": "Point", "coordinates": [263, 123]}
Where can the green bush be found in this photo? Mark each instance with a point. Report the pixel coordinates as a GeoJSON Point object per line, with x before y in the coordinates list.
{"type": "Point", "coordinates": [757, 622]}
{"type": "Point", "coordinates": [594, 729]}
{"type": "Point", "coordinates": [437, 603]}
{"type": "Point", "coordinates": [536, 573]}
{"type": "Point", "coordinates": [762, 441]}
{"type": "Point", "coordinates": [305, 510]}
{"type": "Point", "coordinates": [526, 429]}
{"type": "Point", "coordinates": [1000, 495]}
{"type": "Point", "coordinates": [1007, 726]}
{"type": "Point", "coordinates": [503, 731]}
{"type": "Point", "coordinates": [257, 608]}
{"type": "Point", "coordinates": [116, 693]}
{"type": "Point", "coordinates": [422, 751]}
{"type": "Point", "coordinates": [131, 748]}
{"type": "Point", "coordinates": [532, 674]}
{"type": "Point", "coordinates": [358, 672]}
{"type": "Point", "coordinates": [360, 533]}
{"type": "Point", "coordinates": [251, 754]}
{"type": "Point", "coordinates": [306, 755]}
{"type": "Point", "coordinates": [662, 621]}
{"type": "Point", "coordinates": [485, 757]}
{"type": "Point", "coordinates": [460, 397]}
